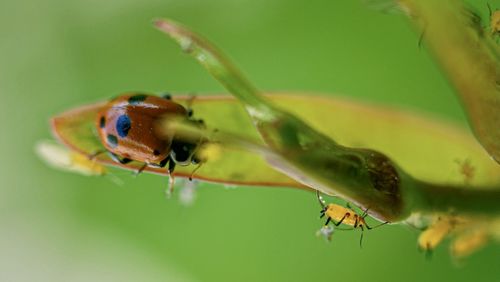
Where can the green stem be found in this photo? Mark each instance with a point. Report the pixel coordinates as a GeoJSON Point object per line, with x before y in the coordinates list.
{"type": "Point", "coordinates": [440, 198]}
{"type": "Point", "coordinates": [218, 65]}
{"type": "Point", "coordinates": [262, 111]}
{"type": "Point", "coordinates": [364, 176]}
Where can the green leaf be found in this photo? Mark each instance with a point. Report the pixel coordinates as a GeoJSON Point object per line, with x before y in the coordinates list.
{"type": "Point", "coordinates": [76, 129]}
{"type": "Point", "coordinates": [428, 149]}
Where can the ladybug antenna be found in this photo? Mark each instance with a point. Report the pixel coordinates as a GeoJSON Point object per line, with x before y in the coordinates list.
{"type": "Point", "coordinates": [194, 170]}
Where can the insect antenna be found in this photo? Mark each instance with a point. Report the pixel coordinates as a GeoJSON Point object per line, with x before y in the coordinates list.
{"type": "Point", "coordinates": [322, 203]}
{"type": "Point", "coordinates": [320, 200]}
{"type": "Point", "coordinates": [376, 226]}
{"type": "Point", "coordinates": [194, 170]}
{"type": "Point", "coordinates": [365, 214]}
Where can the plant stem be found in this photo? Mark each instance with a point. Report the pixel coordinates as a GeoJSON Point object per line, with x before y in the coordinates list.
{"type": "Point", "coordinates": [470, 200]}
{"type": "Point", "coordinates": [366, 177]}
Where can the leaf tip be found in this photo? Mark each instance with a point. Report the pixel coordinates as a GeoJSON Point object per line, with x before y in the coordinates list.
{"type": "Point", "coordinates": [166, 25]}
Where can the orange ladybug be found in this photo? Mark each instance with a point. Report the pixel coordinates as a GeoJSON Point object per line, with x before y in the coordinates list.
{"type": "Point", "coordinates": [126, 128]}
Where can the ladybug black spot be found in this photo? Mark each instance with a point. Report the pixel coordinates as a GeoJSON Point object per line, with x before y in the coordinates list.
{"type": "Point", "coordinates": [112, 140]}
{"type": "Point", "coordinates": [137, 99]}
{"type": "Point", "coordinates": [123, 125]}
{"type": "Point", "coordinates": [156, 152]}
{"type": "Point", "coordinates": [102, 122]}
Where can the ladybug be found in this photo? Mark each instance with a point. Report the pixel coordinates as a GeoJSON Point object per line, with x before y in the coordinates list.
{"type": "Point", "coordinates": [127, 129]}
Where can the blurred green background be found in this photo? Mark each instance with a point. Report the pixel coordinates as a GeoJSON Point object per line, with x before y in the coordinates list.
{"type": "Point", "coordinates": [57, 226]}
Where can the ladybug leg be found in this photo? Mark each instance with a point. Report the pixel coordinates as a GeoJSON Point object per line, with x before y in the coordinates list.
{"type": "Point", "coordinates": [166, 95]}
{"type": "Point", "coordinates": [95, 154]}
{"type": "Point", "coordinates": [163, 163]}
{"type": "Point", "coordinates": [189, 105]}
{"type": "Point", "coordinates": [171, 166]}
{"type": "Point", "coordinates": [140, 170]}
{"type": "Point", "coordinates": [117, 159]}
{"type": "Point", "coordinates": [171, 179]}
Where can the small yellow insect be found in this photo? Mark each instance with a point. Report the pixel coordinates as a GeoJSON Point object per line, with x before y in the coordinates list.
{"type": "Point", "coordinates": [468, 243]}
{"type": "Point", "coordinates": [438, 231]}
{"type": "Point", "coordinates": [338, 215]}
{"type": "Point", "coordinates": [60, 157]}
{"type": "Point", "coordinates": [494, 21]}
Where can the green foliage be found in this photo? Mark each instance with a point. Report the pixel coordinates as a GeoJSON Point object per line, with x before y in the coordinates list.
{"type": "Point", "coordinates": [364, 176]}
{"type": "Point", "coordinates": [470, 58]}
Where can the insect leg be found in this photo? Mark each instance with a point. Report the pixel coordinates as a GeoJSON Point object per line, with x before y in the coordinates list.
{"type": "Point", "coordinates": [365, 213]}
{"type": "Point", "coordinates": [95, 154]}
{"type": "Point", "coordinates": [342, 219]}
{"type": "Point", "coordinates": [171, 165]}
{"type": "Point", "coordinates": [164, 162]}
{"type": "Point", "coordinates": [171, 180]}
{"type": "Point", "coordinates": [166, 95]}
{"type": "Point", "coordinates": [140, 170]}
{"type": "Point", "coordinates": [117, 159]}
{"type": "Point", "coordinates": [189, 105]}
{"type": "Point", "coordinates": [361, 237]}
{"type": "Point", "coordinates": [322, 213]}
{"type": "Point", "coordinates": [378, 225]}
{"type": "Point", "coordinates": [428, 252]}
{"type": "Point", "coordinates": [328, 221]}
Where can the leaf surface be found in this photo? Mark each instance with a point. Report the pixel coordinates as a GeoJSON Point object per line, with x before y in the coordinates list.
{"type": "Point", "coordinates": [426, 148]}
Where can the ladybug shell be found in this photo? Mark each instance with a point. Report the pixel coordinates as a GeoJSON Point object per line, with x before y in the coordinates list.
{"type": "Point", "coordinates": [126, 127]}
